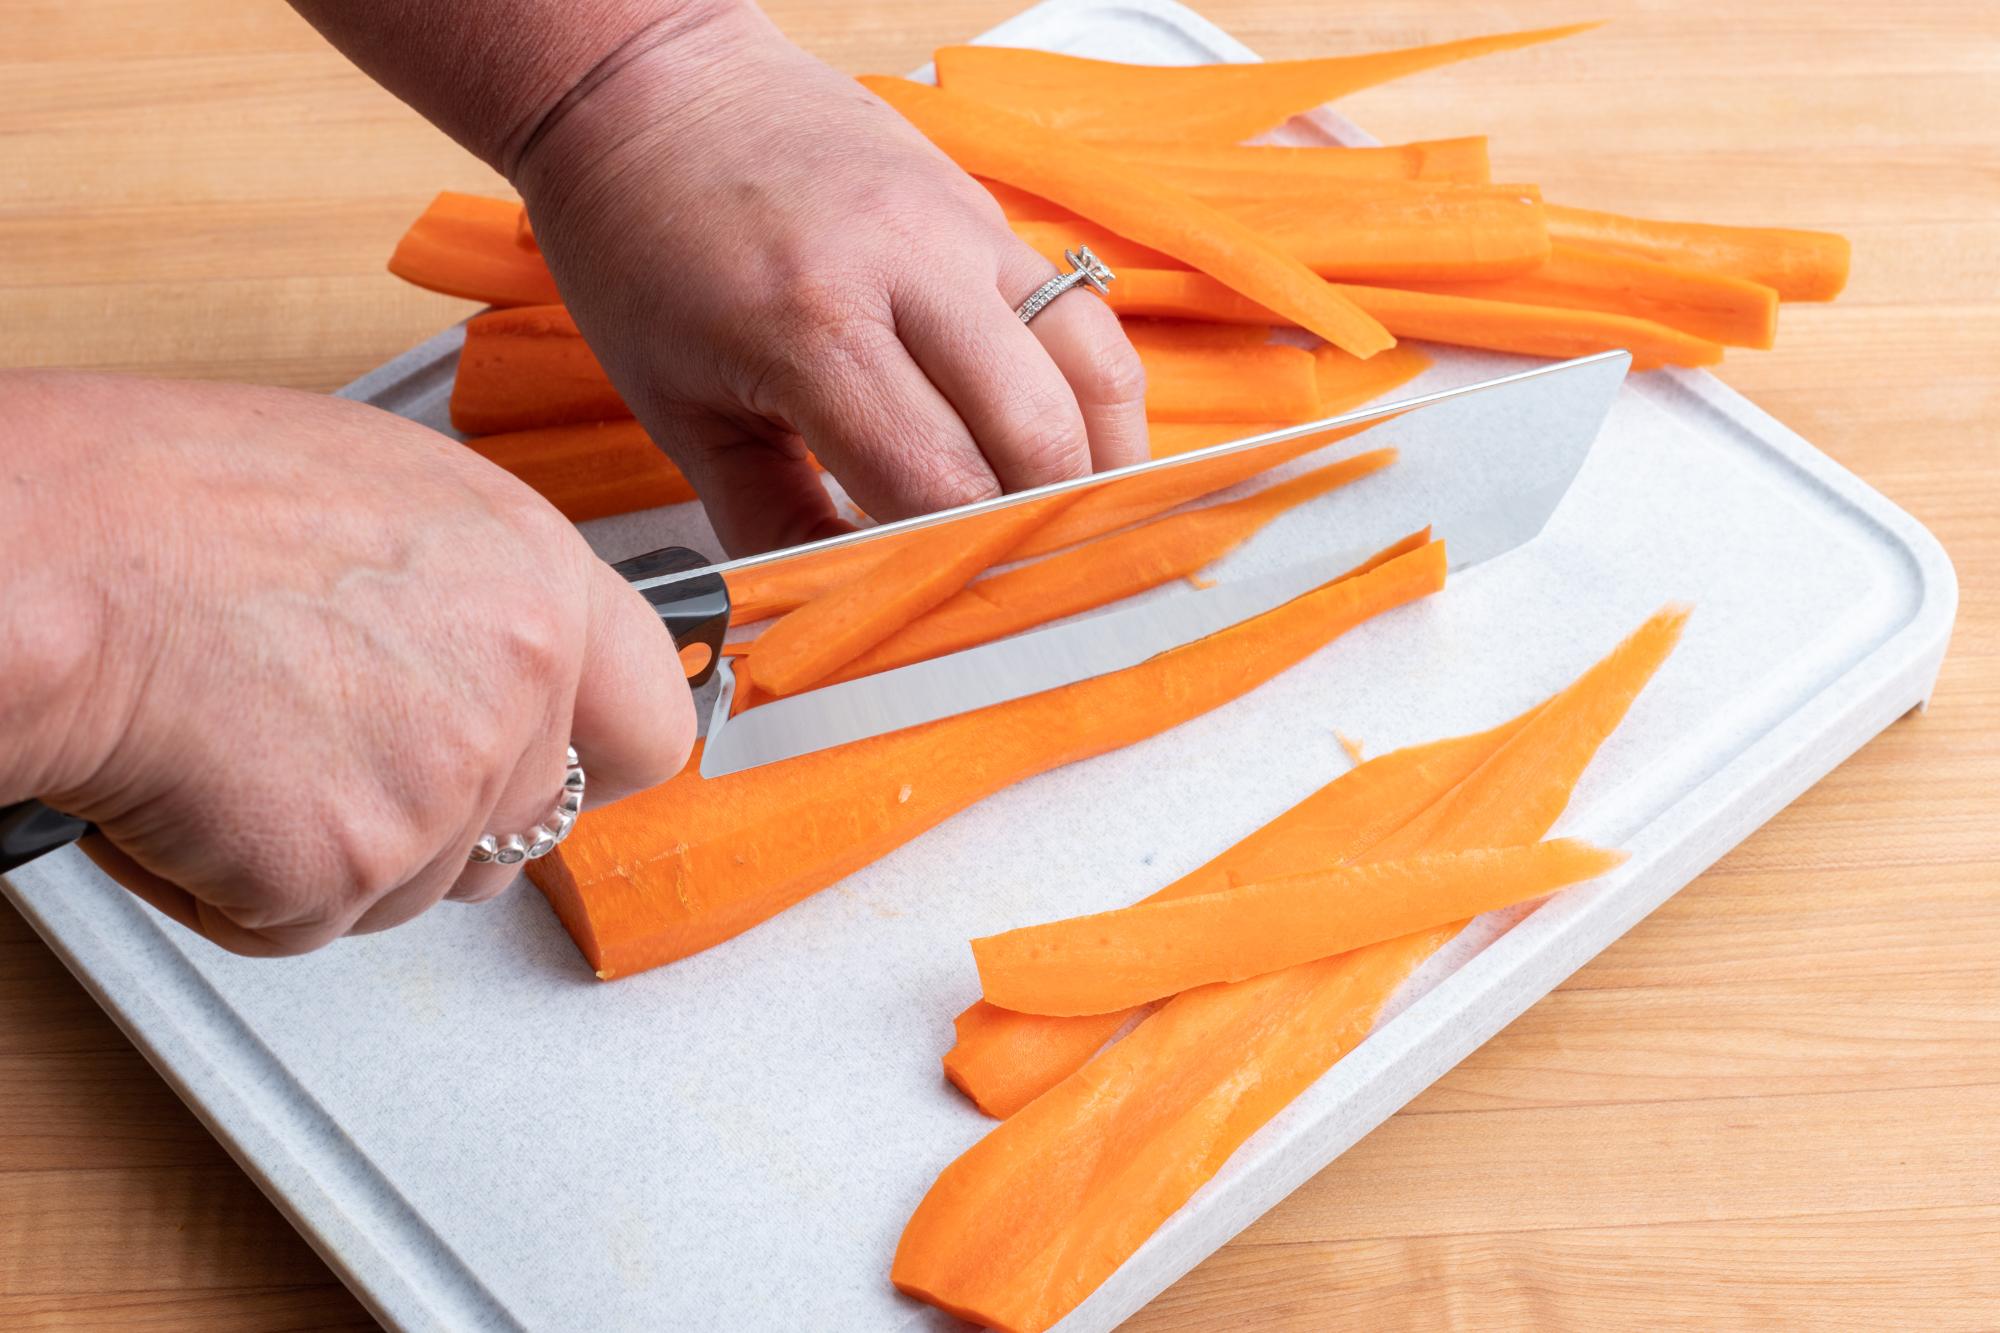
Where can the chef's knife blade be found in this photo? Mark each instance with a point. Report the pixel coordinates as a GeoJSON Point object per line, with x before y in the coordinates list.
{"type": "Point", "coordinates": [1485, 465]}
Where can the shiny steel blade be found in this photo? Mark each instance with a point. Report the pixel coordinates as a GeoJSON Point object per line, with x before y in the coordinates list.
{"type": "Point", "coordinates": [1484, 465]}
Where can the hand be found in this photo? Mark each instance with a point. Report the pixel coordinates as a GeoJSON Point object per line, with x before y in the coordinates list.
{"type": "Point", "coordinates": [766, 258]}
{"type": "Point", "coordinates": [293, 655]}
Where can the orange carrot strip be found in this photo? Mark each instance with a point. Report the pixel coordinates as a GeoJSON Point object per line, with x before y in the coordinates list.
{"type": "Point", "coordinates": [1178, 437]}
{"type": "Point", "coordinates": [1031, 1219]}
{"type": "Point", "coordinates": [1270, 380]}
{"type": "Point", "coordinates": [1220, 103]}
{"type": "Point", "coordinates": [1128, 200]}
{"type": "Point", "coordinates": [1051, 239]}
{"type": "Point", "coordinates": [1187, 335]}
{"type": "Point", "coordinates": [1249, 170]}
{"type": "Point", "coordinates": [464, 245]}
{"type": "Point", "coordinates": [929, 565]}
{"type": "Point", "coordinates": [529, 367]}
{"type": "Point", "coordinates": [1731, 311]}
{"type": "Point", "coordinates": [1395, 231]}
{"type": "Point", "coordinates": [1183, 294]}
{"type": "Point", "coordinates": [690, 863]}
{"type": "Point", "coordinates": [1109, 962]}
{"type": "Point", "coordinates": [1798, 265]}
{"type": "Point", "coordinates": [773, 589]}
{"type": "Point", "coordinates": [591, 470]}
{"type": "Point", "coordinates": [1023, 206]}
{"type": "Point", "coordinates": [1100, 572]}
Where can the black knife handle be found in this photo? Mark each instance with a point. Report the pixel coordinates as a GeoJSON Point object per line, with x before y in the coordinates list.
{"type": "Point", "coordinates": [696, 612]}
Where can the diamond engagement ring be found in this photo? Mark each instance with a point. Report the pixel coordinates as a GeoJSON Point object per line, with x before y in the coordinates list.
{"type": "Point", "coordinates": [1085, 268]}
{"type": "Point", "coordinates": [543, 837]}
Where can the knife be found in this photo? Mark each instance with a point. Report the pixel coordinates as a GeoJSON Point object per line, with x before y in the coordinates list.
{"type": "Point", "coordinates": [1483, 464]}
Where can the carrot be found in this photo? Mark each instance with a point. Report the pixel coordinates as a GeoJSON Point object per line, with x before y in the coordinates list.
{"type": "Point", "coordinates": [1127, 199]}
{"type": "Point", "coordinates": [693, 862]}
{"type": "Point", "coordinates": [1051, 239]}
{"type": "Point", "coordinates": [926, 568]}
{"type": "Point", "coordinates": [1020, 205]}
{"type": "Point", "coordinates": [1109, 962]}
{"type": "Point", "coordinates": [1798, 265]}
{"type": "Point", "coordinates": [1268, 381]}
{"type": "Point", "coordinates": [1032, 1218]}
{"type": "Point", "coordinates": [591, 470]}
{"type": "Point", "coordinates": [464, 245]}
{"type": "Point", "coordinates": [1219, 103]}
{"type": "Point", "coordinates": [1346, 382]}
{"type": "Point", "coordinates": [772, 589]}
{"type": "Point", "coordinates": [1394, 231]}
{"type": "Point", "coordinates": [1731, 311]}
{"type": "Point", "coordinates": [1100, 572]}
{"type": "Point", "coordinates": [1169, 438]}
{"type": "Point", "coordinates": [1468, 321]}
{"type": "Point", "coordinates": [1250, 170]}
{"type": "Point", "coordinates": [1188, 335]}
{"type": "Point", "coordinates": [529, 367]}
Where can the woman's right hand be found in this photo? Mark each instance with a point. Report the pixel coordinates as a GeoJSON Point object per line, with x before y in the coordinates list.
{"type": "Point", "coordinates": [294, 655]}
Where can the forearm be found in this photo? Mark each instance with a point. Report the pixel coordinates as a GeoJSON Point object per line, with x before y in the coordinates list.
{"type": "Point", "coordinates": [496, 74]}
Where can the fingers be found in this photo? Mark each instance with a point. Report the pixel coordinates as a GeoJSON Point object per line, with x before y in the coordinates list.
{"type": "Point", "coordinates": [528, 799]}
{"type": "Point", "coordinates": [1082, 337]}
{"type": "Point", "coordinates": [761, 493]}
{"type": "Point", "coordinates": [633, 724]}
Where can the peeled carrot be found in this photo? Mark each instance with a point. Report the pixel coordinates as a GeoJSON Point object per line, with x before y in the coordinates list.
{"type": "Point", "coordinates": [1394, 231]}
{"type": "Point", "coordinates": [1167, 293]}
{"type": "Point", "coordinates": [1127, 199]}
{"type": "Point", "coordinates": [1217, 383]}
{"type": "Point", "coordinates": [589, 471]}
{"type": "Point", "coordinates": [929, 565]}
{"type": "Point", "coordinates": [1022, 205]}
{"type": "Point", "coordinates": [772, 589]}
{"type": "Point", "coordinates": [1051, 239]}
{"type": "Point", "coordinates": [1798, 265]}
{"type": "Point", "coordinates": [692, 862]}
{"type": "Point", "coordinates": [1100, 572]}
{"type": "Point", "coordinates": [1189, 335]}
{"type": "Point", "coordinates": [529, 367]}
{"type": "Point", "coordinates": [1248, 170]}
{"type": "Point", "coordinates": [464, 245]}
{"type": "Point", "coordinates": [1218, 103]}
{"type": "Point", "coordinates": [1731, 311]}
{"type": "Point", "coordinates": [1032, 1218]}
{"type": "Point", "coordinates": [1109, 962]}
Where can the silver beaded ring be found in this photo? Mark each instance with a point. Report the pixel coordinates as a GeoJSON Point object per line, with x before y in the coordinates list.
{"type": "Point", "coordinates": [1085, 267]}
{"type": "Point", "coordinates": [543, 837]}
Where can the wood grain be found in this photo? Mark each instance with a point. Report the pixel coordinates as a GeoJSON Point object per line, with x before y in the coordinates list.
{"type": "Point", "coordinates": [1776, 1102]}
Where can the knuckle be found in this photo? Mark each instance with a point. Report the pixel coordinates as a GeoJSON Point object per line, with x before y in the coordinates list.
{"type": "Point", "coordinates": [1114, 374]}
{"type": "Point", "coordinates": [1048, 440]}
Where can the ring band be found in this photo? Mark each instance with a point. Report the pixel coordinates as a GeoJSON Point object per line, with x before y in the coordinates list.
{"type": "Point", "coordinates": [542, 838]}
{"type": "Point", "coordinates": [1085, 267]}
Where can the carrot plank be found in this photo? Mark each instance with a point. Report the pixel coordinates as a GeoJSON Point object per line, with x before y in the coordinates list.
{"type": "Point", "coordinates": [1051, 239]}
{"type": "Point", "coordinates": [1021, 205]}
{"type": "Point", "coordinates": [1218, 103]}
{"type": "Point", "coordinates": [692, 862]}
{"type": "Point", "coordinates": [591, 470]}
{"type": "Point", "coordinates": [1032, 1218]}
{"type": "Point", "coordinates": [1268, 381]}
{"type": "Point", "coordinates": [1188, 335]}
{"type": "Point", "coordinates": [529, 367]}
{"type": "Point", "coordinates": [1798, 265]}
{"type": "Point", "coordinates": [1250, 170]}
{"type": "Point", "coordinates": [1109, 962]}
{"type": "Point", "coordinates": [1127, 199]}
{"type": "Point", "coordinates": [466, 245]}
{"type": "Point", "coordinates": [1394, 231]}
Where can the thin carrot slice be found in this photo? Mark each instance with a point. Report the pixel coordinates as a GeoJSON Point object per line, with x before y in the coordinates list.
{"type": "Point", "coordinates": [529, 367]}
{"type": "Point", "coordinates": [1270, 380]}
{"type": "Point", "coordinates": [1249, 170]}
{"type": "Point", "coordinates": [761, 591]}
{"type": "Point", "coordinates": [1169, 293]}
{"type": "Point", "coordinates": [1032, 1218]}
{"type": "Point", "coordinates": [1127, 199]}
{"type": "Point", "coordinates": [806, 645]}
{"type": "Point", "coordinates": [1100, 572]}
{"type": "Point", "coordinates": [1051, 239]}
{"type": "Point", "coordinates": [1394, 231]}
{"type": "Point", "coordinates": [1109, 962]}
{"type": "Point", "coordinates": [464, 245]}
{"type": "Point", "coordinates": [1798, 265]}
{"type": "Point", "coordinates": [692, 862]}
{"type": "Point", "coordinates": [1731, 311]}
{"type": "Point", "coordinates": [1221, 103]}
{"type": "Point", "coordinates": [589, 471]}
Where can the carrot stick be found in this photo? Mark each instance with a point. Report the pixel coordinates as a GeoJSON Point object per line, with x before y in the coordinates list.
{"type": "Point", "coordinates": [1178, 437]}
{"type": "Point", "coordinates": [1100, 572]}
{"type": "Point", "coordinates": [1127, 199]}
{"type": "Point", "coordinates": [1109, 962]}
{"type": "Point", "coordinates": [692, 862]}
{"type": "Point", "coordinates": [1271, 380]}
{"type": "Point", "coordinates": [929, 565]}
{"type": "Point", "coordinates": [775, 588]}
{"type": "Point", "coordinates": [591, 470]}
{"type": "Point", "coordinates": [1188, 335]}
{"type": "Point", "coordinates": [1220, 103]}
{"type": "Point", "coordinates": [1250, 170]}
{"type": "Point", "coordinates": [529, 367]}
{"type": "Point", "coordinates": [1051, 239]}
{"type": "Point", "coordinates": [1731, 311]}
{"type": "Point", "coordinates": [1032, 1218]}
{"type": "Point", "coordinates": [1020, 205]}
{"type": "Point", "coordinates": [464, 245]}
{"type": "Point", "coordinates": [1395, 231]}
{"type": "Point", "coordinates": [1799, 265]}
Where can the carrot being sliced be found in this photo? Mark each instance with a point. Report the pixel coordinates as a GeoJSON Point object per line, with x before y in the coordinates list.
{"type": "Point", "coordinates": [591, 470]}
{"type": "Point", "coordinates": [1217, 383]}
{"type": "Point", "coordinates": [1249, 170]}
{"type": "Point", "coordinates": [692, 862]}
{"type": "Point", "coordinates": [1394, 231]}
{"type": "Point", "coordinates": [529, 367]}
{"type": "Point", "coordinates": [1110, 962]}
{"type": "Point", "coordinates": [1731, 311]}
{"type": "Point", "coordinates": [806, 645]}
{"type": "Point", "coordinates": [1216, 103]}
{"type": "Point", "coordinates": [1131, 202]}
{"type": "Point", "coordinates": [465, 245]}
{"type": "Point", "coordinates": [1100, 572]}
{"type": "Point", "coordinates": [761, 591]}
{"type": "Point", "coordinates": [1032, 1218]}
{"type": "Point", "coordinates": [1798, 265]}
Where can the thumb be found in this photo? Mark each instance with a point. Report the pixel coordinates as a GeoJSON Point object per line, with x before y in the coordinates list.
{"type": "Point", "coordinates": [633, 725]}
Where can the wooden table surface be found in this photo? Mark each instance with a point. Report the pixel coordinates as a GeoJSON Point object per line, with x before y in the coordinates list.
{"type": "Point", "coordinates": [1776, 1100]}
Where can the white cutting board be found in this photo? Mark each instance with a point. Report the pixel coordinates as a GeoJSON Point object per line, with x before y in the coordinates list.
{"type": "Point", "coordinates": [476, 1134]}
